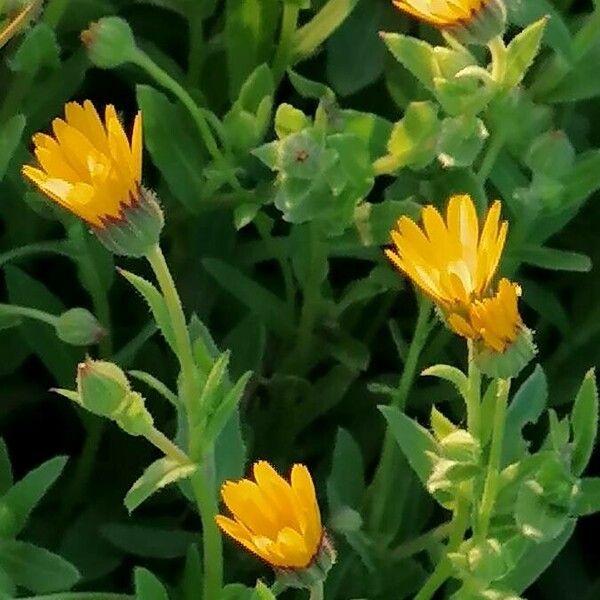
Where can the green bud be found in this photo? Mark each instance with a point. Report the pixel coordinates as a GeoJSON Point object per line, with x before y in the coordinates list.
{"type": "Point", "coordinates": [102, 387]}
{"type": "Point", "coordinates": [461, 446]}
{"type": "Point", "coordinates": [133, 416]}
{"type": "Point", "coordinates": [289, 120]}
{"type": "Point", "coordinates": [109, 42]}
{"type": "Point", "coordinates": [79, 327]}
{"type": "Point", "coordinates": [137, 230]}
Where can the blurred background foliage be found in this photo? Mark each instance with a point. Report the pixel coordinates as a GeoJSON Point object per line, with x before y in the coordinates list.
{"type": "Point", "coordinates": [298, 291]}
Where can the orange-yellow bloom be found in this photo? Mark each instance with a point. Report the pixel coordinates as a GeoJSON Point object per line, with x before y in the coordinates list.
{"type": "Point", "coordinates": [451, 261]}
{"type": "Point", "coordinates": [454, 262]}
{"type": "Point", "coordinates": [89, 167]}
{"type": "Point", "coordinates": [494, 320]}
{"type": "Point", "coordinates": [278, 521]}
{"type": "Point", "coordinates": [472, 21]}
{"type": "Point", "coordinates": [441, 13]}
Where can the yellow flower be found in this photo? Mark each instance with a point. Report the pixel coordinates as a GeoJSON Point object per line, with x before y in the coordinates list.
{"type": "Point", "coordinates": [451, 261]}
{"type": "Point", "coordinates": [496, 320]}
{"type": "Point", "coordinates": [276, 520]}
{"type": "Point", "coordinates": [89, 167]}
{"type": "Point", "coordinates": [454, 263]}
{"type": "Point", "coordinates": [472, 21]}
{"type": "Point", "coordinates": [441, 13]}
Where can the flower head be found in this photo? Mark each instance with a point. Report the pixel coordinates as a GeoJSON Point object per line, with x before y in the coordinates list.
{"type": "Point", "coordinates": [278, 521]}
{"type": "Point", "coordinates": [474, 20]}
{"type": "Point", "coordinates": [451, 260]}
{"type": "Point", "coordinates": [454, 262]}
{"type": "Point", "coordinates": [90, 168]}
{"type": "Point", "coordinates": [494, 320]}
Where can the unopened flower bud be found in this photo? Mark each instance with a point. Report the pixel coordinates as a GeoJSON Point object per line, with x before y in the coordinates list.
{"type": "Point", "coordinates": [102, 386]}
{"type": "Point", "coordinates": [109, 42]}
{"type": "Point", "coordinates": [79, 327]}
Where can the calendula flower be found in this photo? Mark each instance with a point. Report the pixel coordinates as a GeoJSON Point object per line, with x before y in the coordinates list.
{"type": "Point", "coordinates": [494, 320]}
{"type": "Point", "coordinates": [451, 260]}
{"type": "Point", "coordinates": [90, 168]}
{"type": "Point", "coordinates": [477, 21]}
{"type": "Point", "coordinates": [454, 261]}
{"type": "Point", "coordinates": [277, 520]}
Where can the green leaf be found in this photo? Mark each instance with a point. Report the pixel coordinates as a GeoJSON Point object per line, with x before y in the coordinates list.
{"type": "Point", "coordinates": [587, 502]}
{"type": "Point", "coordinates": [310, 89]}
{"type": "Point", "coordinates": [10, 136]}
{"type": "Point", "coordinates": [526, 407]}
{"type": "Point", "coordinates": [26, 493]}
{"type": "Point", "coordinates": [522, 51]}
{"type": "Point", "coordinates": [441, 426]}
{"type": "Point", "coordinates": [148, 586]}
{"type": "Point", "coordinates": [6, 477]}
{"type": "Point", "coordinates": [249, 33]}
{"type": "Point", "coordinates": [536, 518]}
{"type": "Point", "coordinates": [355, 54]}
{"type": "Point", "coordinates": [536, 559]}
{"type": "Point", "coordinates": [461, 140]}
{"type": "Point", "coordinates": [39, 49]}
{"type": "Point", "coordinates": [149, 541]}
{"type": "Point", "coordinates": [158, 475]}
{"type": "Point", "coordinates": [451, 374]}
{"type": "Point", "coordinates": [584, 421]}
{"type": "Point", "coordinates": [157, 305]}
{"type": "Point", "coordinates": [415, 55]}
{"type": "Point", "coordinates": [262, 592]}
{"type": "Point", "coordinates": [346, 481]}
{"type": "Point", "coordinates": [36, 569]}
{"type": "Point", "coordinates": [192, 577]}
{"type": "Point", "coordinates": [555, 260]}
{"type": "Point", "coordinates": [262, 302]}
{"type": "Point", "coordinates": [230, 451]}
{"type": "Point", "coordinates": [414, 441]}
{"type": "Point", "coordinates": [223, 413]}
{"type": "Point", "coordinates": [174, 144]}
{"type": "Point", "coordinates": [413, 140]}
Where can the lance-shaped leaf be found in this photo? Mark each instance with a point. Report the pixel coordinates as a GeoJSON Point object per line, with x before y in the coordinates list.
{"type": "Point", "coordinates": [522, 51]}
{"type": "Point", "coordinates": [584, 421]}
{"type": "Point", "coordinates": [156, 302]}
{"type": "Point", "coordinates": [158, 475]}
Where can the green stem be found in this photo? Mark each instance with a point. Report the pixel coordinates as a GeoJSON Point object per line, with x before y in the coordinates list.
{"type": "Point", "coordinates": [473, 396]}
{"type": "Point", "coordinates": [490, 487]}
{"type": "Point", "coordinates": [490, 157]}
{"type": "Point", "coordinates": [55, 9]}
{"type": "Point", "coordinates": [283, 55]}
{"type": "Point", "coordinates": [421, 543]}
{"type": "Point", "coordinates": [380, 489]}
{"type": "Point", "coordinates": [316, 592]}
{"type": "Point", "coordinates": [80, 596]}
{"type": "Point", "coordinates": [443, 569]}
{"type": "Point", "coordinates": [321, 26]}
{"type": "Point", "coordinates": [29, 313]}
{"type": "Point", "coordinates": [202, 484]}
{"type": "Point", "coordinates": [436, 580]}
{"type": "Point", "coordinates": [211, 535]}
{"type": "Point", "coordinates": [196, 44]}
{"type": "Point", "coordinates": [552, 72]}
{"type": "Point", "coordinates": [166, 446]}
{"type": "Point", "coordinates": [142, 60]}
{"type": "Point", "coordinates": [182, 339]}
